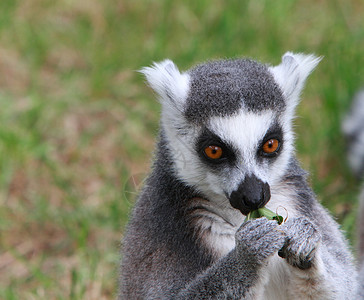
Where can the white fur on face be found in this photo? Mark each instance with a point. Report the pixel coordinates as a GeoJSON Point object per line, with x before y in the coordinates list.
{"type": "Point", "coordinates": [172, 87]}
{"type": "Point", "coordinates": [245, 131]}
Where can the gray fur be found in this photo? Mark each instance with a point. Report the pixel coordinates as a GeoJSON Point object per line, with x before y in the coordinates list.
{"type": "Point", "coordinates": [300, 250]}
{"type": "Point", "coordinates": [221, 88]}
{"type": "Point", "coordinates": [178, 241]}
{"type": "Point", "coordinates": [361, 227]}
{"type": "Point", "coordinates": [361, 244]}
{"type": "Point", "coordinates": [353, 128]}
{"type": "Point", "coordinates": [361, 283]}
{"type": "Point", "coordinates": [235, 274]}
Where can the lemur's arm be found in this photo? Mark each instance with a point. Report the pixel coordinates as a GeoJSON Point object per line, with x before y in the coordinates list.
{"type": "Point", "coordinates": [238, 274]}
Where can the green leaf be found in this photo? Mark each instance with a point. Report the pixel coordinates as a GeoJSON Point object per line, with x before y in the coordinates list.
{"type": "Point", "coordinates": [264, 212]}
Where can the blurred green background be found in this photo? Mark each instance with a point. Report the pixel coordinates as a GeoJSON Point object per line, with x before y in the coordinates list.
{"type": "Point", "coordinates": [78, 123]}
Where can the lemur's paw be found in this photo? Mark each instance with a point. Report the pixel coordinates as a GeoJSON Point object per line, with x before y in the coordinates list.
{"type": "Point", "coordinates": [301, 244]}
{"type": "Point", "coordinates": [259, 238]}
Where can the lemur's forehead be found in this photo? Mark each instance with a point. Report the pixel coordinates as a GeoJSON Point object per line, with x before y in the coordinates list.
{"type": "Point", "coordinates": [222, 88]}
{"type": "Point", "coordinates": [245, 129]}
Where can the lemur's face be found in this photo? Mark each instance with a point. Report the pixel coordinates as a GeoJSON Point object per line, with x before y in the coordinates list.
{"type": "Point", "coordinates": [240, 157]}
{"type": "Point", "coordinates": [228, 125]}
{"type": "Point", "coordinates": [235, 157]}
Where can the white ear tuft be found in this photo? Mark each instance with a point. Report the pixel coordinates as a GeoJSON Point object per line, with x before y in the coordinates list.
{"type": "Point", "coordinates": [168, 82]}
{"type": "Point", "coordinates": [292, 73]}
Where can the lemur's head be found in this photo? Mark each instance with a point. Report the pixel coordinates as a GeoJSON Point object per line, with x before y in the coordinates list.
{"type": "Point", "coordinates": [228, 124]}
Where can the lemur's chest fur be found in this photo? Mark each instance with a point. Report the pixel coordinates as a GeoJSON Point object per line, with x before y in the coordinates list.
{"type": "Point", "coordinates": [215, 226]}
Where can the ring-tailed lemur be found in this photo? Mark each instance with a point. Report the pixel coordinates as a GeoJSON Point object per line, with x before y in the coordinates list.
{"type": "Point", "coordinates": [353, 128]}
{"type": "Point", "coordinates": [226, 148]}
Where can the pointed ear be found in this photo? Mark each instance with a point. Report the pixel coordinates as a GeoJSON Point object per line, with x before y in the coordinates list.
{"type": "Point", "coordinates": [291, 75]}
{"type": "Point", "coordinates": [171, 86]}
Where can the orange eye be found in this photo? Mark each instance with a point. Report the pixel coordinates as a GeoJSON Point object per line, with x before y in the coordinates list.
{"type": "Point", "coordinates": [213, 152]}
{"type": "Point", "coordinates": [270, 146]}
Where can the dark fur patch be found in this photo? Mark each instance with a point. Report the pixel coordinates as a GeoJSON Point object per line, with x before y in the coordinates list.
{"type": "Point", "coordinates": [221, 88]}
{"type": "Point", "coordinates": [276, 132]}
{"type": "Point", "coordinates": [208, 138]}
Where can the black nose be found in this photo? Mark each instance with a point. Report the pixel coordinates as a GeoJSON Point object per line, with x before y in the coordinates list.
{"type": "Point", "coordinates": [251, 194]}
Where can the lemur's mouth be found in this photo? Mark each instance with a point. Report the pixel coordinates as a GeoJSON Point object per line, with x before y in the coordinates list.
{"type": "Point", "coordinates": [251, 194]}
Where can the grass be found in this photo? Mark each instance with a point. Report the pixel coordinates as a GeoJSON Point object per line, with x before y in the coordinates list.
{"type": "Point", "coordinates": [78, 123]}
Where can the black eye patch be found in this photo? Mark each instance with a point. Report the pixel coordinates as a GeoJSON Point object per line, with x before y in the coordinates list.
{"type": "Point", "coordinates": [273, 135]}
{"type": "Point", "coordinates": [208, 140]}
